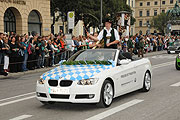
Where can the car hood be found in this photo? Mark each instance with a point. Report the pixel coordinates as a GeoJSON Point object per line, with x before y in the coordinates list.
{"type": "Point", "coordinates": [173, 46]}
{"type": "Point", "coordinates": [75, 72]}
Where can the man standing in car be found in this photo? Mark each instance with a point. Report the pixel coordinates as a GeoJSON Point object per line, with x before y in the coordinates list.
{"type": "Point", "coordinates": [109, 35]}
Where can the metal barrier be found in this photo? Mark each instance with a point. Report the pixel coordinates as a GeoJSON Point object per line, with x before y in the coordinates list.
{"type": "Point", "coordinates": [68, 55]}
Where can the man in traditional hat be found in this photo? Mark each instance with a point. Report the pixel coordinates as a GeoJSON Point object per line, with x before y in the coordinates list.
{"type": "Point", "coordinates": [108, 34]}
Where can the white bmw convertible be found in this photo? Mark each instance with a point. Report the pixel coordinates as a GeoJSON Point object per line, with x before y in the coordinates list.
{"type": "Point", "coordinates": [94, 76]}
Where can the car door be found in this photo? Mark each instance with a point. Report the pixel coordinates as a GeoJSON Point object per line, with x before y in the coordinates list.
{"type": "Point", "coordinates": [127, 78]}
{"type": "Point", "coordinates": [140, 66]}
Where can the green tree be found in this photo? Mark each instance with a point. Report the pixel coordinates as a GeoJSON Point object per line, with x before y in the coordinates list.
{"type": "Point", "coordinates": [89, 10]}
{"type": "Point", "coordinates": [160, 22]}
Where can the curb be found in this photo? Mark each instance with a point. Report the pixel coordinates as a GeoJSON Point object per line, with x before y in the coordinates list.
{"type": "Point", "coordinates": [49, 68]}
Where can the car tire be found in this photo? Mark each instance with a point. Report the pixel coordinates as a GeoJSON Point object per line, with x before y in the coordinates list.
{"type": "Point", "coordinates": [147, 82]}
{"type": "Point", "coordinates": [107, 94]}
{"type": "Point", "coordinates": [168, 52]}
{"type": "Point", "coordinates": [177, 67]}
{"type": "Point", "coordinates": [47, 103]}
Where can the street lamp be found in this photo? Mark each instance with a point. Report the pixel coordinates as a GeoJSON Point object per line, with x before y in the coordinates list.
{"type": "Point", "coordinates": [62, 15]}
{"type": "Point", "coordinates": [149, 28]}
{"type": "Point", "coordinates": [169, 28]}
{"type": "Point", "coordinates": [63, 20]}
{"type": "Point", "coordinates": [101, 14]}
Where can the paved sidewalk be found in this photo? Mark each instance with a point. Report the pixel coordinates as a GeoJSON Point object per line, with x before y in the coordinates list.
{"type": "Point", "coordinates": [49, 68]}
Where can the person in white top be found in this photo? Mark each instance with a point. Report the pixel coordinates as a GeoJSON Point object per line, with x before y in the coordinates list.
{"type": "Point", "coordinates": [109, 35]}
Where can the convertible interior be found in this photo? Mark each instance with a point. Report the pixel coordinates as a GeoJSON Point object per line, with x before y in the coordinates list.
{"type": "Point", "coordinates": [127, 55]}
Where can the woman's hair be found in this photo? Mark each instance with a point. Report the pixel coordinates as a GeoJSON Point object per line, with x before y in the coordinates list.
{"type": "Point", "coordinates": [13, 37]}
{"type": "Point", "coordinates": [55, 38]}
{"type": "Point", "coordinates": [21, 39]}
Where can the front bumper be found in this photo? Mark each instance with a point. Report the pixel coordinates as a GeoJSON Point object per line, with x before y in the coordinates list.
{"type": "Point", "coordinates": [174, 51]}
{"type": "Point", "coordinates": [77, 93]}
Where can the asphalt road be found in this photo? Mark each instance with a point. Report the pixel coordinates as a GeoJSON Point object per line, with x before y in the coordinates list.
{"type": "Point", "coordinates": [17, 99]}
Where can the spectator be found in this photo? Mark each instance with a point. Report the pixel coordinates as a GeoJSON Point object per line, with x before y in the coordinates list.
{"type": "Point", "coordinates": [14, 47]}
{"type": "Point", "coordinates": [52, 50]}
{"type": "Point", "coordinates": [46, 62]}
{"type": "Point", "coordinates": [1, 51]}
{"type": "Point", "coordinates": [141, 47]}
{"type": "Point", "coordinates": [25, 46]}
{"type": "Point", "coordinates": [37, 44]}
{"type": "Point", "coordinates": [130, 45]}
{"type": "Point", "coordinates": [62, 46]}
{"type": "Point", "coordinates": [80, 40]}
{"type": "Point", "coordinates": [75, 44]}
{"type": "Point", "coordinates": [6, 55]}
{"type": "Point", "coordinates": [31, 54]}
{"type": "Point", "coordinates": [42, 52]}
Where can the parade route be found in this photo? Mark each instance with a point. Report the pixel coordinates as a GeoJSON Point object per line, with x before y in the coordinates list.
{"type": "Point", "coordinates": [18, 102]}
{"type": "Point", "coordinates": [89, 60]}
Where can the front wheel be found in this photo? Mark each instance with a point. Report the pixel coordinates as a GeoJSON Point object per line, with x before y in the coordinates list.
{"type": "Point", "coordinates": [107, 94]}
{"type": "Point", "coordinates": [147, 82]}
{"type": "Point", "coordinates": [177, 67]}
{"type": "Point", "coordinates": [168, 52]}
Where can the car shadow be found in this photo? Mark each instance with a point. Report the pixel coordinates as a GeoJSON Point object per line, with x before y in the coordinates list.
{"type": "Point", "coordinates": [86, 107]}
{"type": "Point", "coordinates": [70, 107]}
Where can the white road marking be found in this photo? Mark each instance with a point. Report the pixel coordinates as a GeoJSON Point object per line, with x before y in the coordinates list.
{"type": "Point", "coordinates": [22, 117]}
{"type": "Point", "coordinates": [115, 110]}
{"type": "Point", "coordinates": [17, 96]}
{"type": "Point", "coordinates": [162, 65]}
{"type": "Point", "coordinates": [176, 85]}
{"type": "Point", "coordinates": [15, 101]}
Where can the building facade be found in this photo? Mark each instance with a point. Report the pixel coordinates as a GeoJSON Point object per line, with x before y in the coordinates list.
{"type": "Point", "coordinates": [146, 9]}
{"type": "Point", "coordinates": [25, 16]}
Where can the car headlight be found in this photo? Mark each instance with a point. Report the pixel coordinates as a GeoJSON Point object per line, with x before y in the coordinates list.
{"type": "Point", "coordinates": [41, 81]}
{"type": "Point", "coordinates": [179, 55]}
{"type": "Point", "coordinates": [90, 81]}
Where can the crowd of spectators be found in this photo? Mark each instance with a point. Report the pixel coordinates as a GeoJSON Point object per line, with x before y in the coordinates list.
{"type": "Point", "coordinates": [141, 44]}
{"type": "Point", "coordinates": [23, 53]}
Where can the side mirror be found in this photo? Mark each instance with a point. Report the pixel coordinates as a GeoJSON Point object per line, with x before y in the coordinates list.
{"type": "Point", "coordinates": [124, 62]}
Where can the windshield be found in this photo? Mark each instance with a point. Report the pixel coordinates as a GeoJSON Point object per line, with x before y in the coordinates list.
{"type": "Point", "coordinates": [92, 55]}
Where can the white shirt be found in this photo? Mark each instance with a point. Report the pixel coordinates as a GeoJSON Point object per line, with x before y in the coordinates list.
{"type": "Point", "coordinates": [72, 44]}
{"type": "Point", "coordinates": [53, 48]}
{"type": "Point", "coordinates": [100, 36]}
{"type": "Point", "coordinates": [80, 43]}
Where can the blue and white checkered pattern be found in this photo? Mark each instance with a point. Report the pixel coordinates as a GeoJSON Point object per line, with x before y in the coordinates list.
{"type": "Point", "coordinates": [75, 72]}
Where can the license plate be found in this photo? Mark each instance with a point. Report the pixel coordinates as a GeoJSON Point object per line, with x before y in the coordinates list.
{"type": "Point", "coordinates": [59, 90]}
{"type": "Point", "coordinates": [172, 52]}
